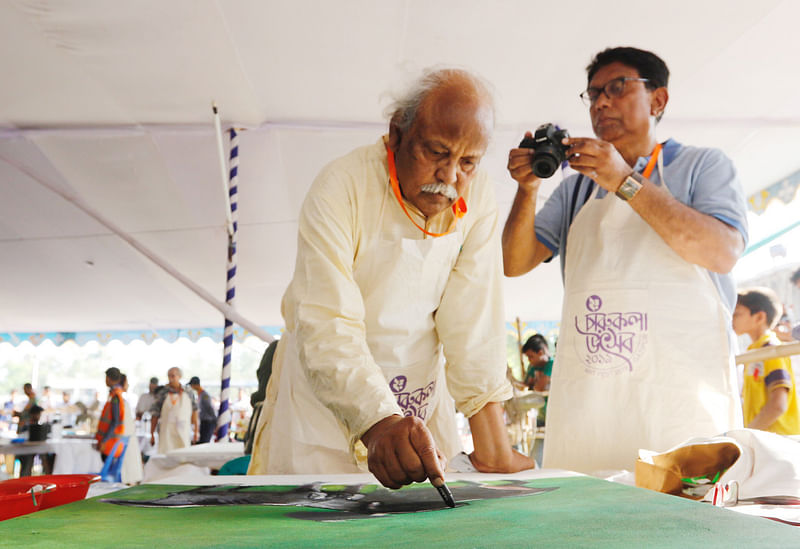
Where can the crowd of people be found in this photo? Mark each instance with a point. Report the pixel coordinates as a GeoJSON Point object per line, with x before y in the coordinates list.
{"type": "Point", "coordinates": [165, 417]}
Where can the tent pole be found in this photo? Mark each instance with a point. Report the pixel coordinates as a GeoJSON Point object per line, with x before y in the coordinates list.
{"type": "Point", "coordinates": [224, 416]}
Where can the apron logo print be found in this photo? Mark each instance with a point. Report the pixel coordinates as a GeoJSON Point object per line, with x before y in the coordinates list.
{"type": "Point", "coordinates": [612, 341]}
{"type": "Point", "coordinates": [413, 403]}
{"type": "Point", "coordinates": [398, 384]}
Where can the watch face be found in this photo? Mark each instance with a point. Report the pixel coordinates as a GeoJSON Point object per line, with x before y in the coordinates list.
{"type": "Point", "coordinates": [629, 188]}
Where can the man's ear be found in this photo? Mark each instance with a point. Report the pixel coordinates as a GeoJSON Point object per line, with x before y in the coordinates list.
{"type": "Point", "coordinates": [395, 136]}
{"type": "Point", "coordinates": [658, 101]}
{"type": "Point", "coordinates": [760, 317]}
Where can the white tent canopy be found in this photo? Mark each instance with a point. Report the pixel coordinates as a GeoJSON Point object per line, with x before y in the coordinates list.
{"type": "Point", "coordinates": [111, 101]}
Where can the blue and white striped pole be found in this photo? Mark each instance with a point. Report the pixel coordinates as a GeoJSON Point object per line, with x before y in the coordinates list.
{"type": "Point", "coordinates": [224, 416]}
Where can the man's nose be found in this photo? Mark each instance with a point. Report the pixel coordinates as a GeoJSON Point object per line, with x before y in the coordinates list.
{"type": "Point", "coordinates": [602, 101]}
{"type": "Point", "coordinates": [446, 172]}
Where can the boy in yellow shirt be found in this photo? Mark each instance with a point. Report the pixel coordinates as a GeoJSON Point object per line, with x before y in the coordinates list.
{"type": "Point", "coordinates": [770, 400]}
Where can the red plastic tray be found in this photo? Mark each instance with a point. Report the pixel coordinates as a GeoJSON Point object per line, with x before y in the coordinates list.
{"type": "Point", "coordinates": [69, 488]}
{"type": "Point", "coordinates": [16, 498]}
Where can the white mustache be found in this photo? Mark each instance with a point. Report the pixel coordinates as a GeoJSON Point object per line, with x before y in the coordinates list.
{"type": "Point", "coordinates": [448, 191]}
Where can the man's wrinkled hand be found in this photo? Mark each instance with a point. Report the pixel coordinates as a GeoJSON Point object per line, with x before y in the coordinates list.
{"type": "Point", "coordinates": [401, 450]}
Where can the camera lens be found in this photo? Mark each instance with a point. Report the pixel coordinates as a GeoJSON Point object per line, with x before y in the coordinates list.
{"type": "Point", "coordinates": [544, 165]}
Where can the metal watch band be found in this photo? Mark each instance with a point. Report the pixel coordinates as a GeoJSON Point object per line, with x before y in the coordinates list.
{"type": "Point", "coordinates": [631, 186]}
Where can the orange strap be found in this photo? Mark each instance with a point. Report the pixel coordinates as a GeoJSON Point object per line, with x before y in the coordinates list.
{"type": "Point", "coordinates": [653, 158]}
{"type": "Point", "coordinates": [459, 206]}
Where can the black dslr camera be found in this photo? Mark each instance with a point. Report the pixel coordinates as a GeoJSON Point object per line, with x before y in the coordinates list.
{"type": "Point", "coordinates": [549, 152]}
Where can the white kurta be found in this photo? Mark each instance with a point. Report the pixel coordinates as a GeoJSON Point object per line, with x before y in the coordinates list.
{"type": "Point", "coordinates": [132, 470]}
{"type": "Point", "coordinates": [175, 422]}
{"type": "Point", "coordinates": [381, 319]}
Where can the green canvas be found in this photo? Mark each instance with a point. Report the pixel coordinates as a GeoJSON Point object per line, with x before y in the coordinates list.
{"type": "Point", "coordinates": [573, 512]}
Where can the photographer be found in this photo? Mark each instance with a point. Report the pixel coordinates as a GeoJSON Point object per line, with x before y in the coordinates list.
{"type": "Point", "coordinates": [645, 350]}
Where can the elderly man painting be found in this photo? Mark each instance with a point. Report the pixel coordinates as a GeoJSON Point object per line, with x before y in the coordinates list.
{"type": "Point", "coordinates": [644, 352]}
{"type": "Point", "coordinates": [396, 304]}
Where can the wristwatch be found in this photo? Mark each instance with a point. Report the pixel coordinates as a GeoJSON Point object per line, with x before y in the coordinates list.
{"type": "Point", "coordinates": [632, 185]}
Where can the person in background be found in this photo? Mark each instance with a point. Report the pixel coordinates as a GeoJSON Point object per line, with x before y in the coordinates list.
{"type": "Point", "coordinates": [174, 413]}
{"type": "Point", "coordinates": [132, 471]}
{"type": "Point", "coordinates": [795, 279]}
{"type": "Point", "coordinates": [45, 400]}
{"type": "Point", "coordinates": [37, 432]}
{"type": "Point", "coordinates": [769, 394]}
{"type": "Point", "coordinates": [540, 368]}
{"type": "Point", "coordinates": [143, 407]}
{"type": "Point", "coordinates": [647, 233]}
{"type": "Point", "coordinates": [9, 406]}
{"type": "Point", "coordinates": [67, 411]}
{"type": "Point", "coordinates": [24, 415]}
{"type": "Point", "coordinates": [111, 424]}
{"type": "Point", "coordinates": [394, 316]}
{"type": "Point", "coordinates": [783, 327]}
{"type": "Point", "coordinates": [208, 417]}
{"type": "Point", "coordinates": [146, 400]}
{"type": "Point", "coordinates": [93, 411]}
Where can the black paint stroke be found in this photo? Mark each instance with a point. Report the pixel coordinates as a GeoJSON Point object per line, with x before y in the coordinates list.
{"type": "Point", "coordinates": [347, 503]}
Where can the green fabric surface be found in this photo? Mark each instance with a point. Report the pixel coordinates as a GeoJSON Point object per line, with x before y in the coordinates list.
{"type": "Point", "coordinates": [581, 512]}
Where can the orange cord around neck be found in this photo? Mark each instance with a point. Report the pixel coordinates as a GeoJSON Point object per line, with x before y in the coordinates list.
{"type": "Point", "coordinates": [459, 206]}
{"type": "Point", "coordinates": [653, 158]}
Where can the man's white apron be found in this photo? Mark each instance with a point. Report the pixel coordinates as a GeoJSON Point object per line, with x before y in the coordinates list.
{"type": "Point", "coordinates": [174, 424]}
{"type": "Point", "coordinates": [402, 283]}
{"type": "Point", "coordinates": [643, 358]}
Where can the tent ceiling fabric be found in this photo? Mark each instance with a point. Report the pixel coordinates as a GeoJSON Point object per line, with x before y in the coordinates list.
{"type": "Point", "coordinates": [111, 102]}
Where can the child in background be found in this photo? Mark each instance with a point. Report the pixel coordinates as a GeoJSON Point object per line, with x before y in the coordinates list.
{"type": "Point", "coordinates": [769, 395]}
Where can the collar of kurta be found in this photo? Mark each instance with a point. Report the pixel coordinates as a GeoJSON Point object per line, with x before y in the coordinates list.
{"type": "Point", "coordinates": [459, 207]}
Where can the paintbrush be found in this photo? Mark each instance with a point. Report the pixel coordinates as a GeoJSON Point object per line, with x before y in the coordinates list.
{"type": "Point", "coordinates": [444, 491]}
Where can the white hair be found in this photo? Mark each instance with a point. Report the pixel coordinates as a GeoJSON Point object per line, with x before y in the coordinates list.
{"type": "Point", "coordinates": [403, 109]}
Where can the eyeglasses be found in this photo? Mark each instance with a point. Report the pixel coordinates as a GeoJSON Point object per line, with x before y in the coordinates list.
{"type": "Point", "coordinates": [613, 88]}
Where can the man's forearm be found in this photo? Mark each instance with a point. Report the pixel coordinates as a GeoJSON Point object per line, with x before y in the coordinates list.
{"type": "Point", "coordinates": [521, 250]}
{"type": "Point", "coordinates": [697, 237]}
{"type": "Point", "coordinates": [493, 452]}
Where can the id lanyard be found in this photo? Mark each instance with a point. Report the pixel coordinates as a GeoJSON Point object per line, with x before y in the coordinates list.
{"type": "Point", "coordinates": [654, 156]}
{"type": "Point", "coordinates": [459, 206]}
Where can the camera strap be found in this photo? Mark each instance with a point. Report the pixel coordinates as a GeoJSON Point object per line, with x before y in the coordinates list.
{"type": "Point", "coordinates": [459, 206]}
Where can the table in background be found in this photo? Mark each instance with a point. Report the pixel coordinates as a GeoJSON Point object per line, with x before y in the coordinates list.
{"type": "Point", "coordinates": [197, 459]}
{"type": "Point", "coordinates": [73, 455]}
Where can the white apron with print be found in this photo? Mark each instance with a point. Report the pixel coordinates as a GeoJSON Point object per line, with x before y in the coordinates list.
{"type": "Point", "coordinates": [402, 283]}
{"type": "Point", "coordinates": [174, 424]}
{"type": "Point", "coordinates": [643, 358]}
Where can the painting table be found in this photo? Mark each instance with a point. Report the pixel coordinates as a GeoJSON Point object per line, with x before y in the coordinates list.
{"type": "Point", "coordinates": [569, 511]}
